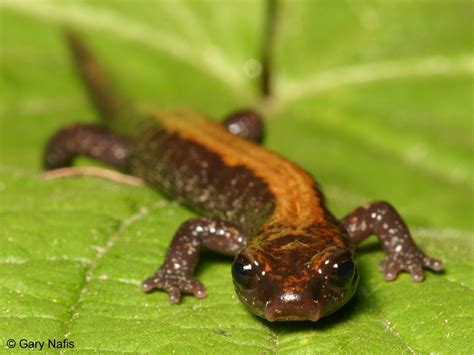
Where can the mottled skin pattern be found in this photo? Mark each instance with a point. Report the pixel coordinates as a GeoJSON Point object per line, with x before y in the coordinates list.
{"type": "Point", "coordinates": [381, 218]}
{"type": "Point", "coordinates": [293, 259]}
{"type": "Point", "coordinates": [176, 273]}
{"type": "Point", "coordinates": [93, 141]}
{"type": "Point", "coordinates": [193, 175]}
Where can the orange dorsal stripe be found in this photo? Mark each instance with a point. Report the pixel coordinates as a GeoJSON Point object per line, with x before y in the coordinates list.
{"type": "Point", "coordinates": [296, 202]}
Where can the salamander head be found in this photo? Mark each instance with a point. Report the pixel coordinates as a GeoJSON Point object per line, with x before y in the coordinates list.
{"type": "Point", "coordinates": [294, 282]}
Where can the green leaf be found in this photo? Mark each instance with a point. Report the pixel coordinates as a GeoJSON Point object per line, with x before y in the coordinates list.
{"type": "Point", "coordinates": [372, 97]}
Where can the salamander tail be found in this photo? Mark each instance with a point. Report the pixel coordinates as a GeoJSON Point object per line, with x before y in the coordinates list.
{"type": "Point", "coordinates": [117, 113]}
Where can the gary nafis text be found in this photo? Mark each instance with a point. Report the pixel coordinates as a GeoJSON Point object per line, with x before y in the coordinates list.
{"type": "Point", "coordinates": [40, 344]}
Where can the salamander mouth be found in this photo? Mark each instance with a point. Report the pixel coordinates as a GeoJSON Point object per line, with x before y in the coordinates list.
{"type": "Point", "coordinates": [275, 314]}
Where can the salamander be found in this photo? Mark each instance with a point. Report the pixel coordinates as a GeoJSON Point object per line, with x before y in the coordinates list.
{"type": "Point", "coordinates": [293, 259]}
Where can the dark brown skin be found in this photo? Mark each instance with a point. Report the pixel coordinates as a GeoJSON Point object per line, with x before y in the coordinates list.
{"type": "Point", "coordinates": [293, 259]}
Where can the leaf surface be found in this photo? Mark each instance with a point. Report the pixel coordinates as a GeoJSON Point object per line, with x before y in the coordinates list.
{"type": "Point", "coordinates": [372, 97]}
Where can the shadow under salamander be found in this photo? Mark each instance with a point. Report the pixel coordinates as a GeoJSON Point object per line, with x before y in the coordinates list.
{"type": "Point", "coordinates": [342, 315]}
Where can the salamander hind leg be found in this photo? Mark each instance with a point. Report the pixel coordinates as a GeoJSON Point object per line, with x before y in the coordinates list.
{"type": "Point", "coordinates": [381, 219]}
{"type": "Point", "coordinates": [247, 124]}
{"type": "Point", "coordinates": [89, 140]}
{"type": "Point", "coordinates": [175, 275]}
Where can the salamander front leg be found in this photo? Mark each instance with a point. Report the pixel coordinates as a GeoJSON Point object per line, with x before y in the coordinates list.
{"type": "Point", "coordinates": [381, 219]}
{"type": "Point", "coordinates": [246, 124]}
{"type": "Point", "coordinates": [175, 275]}
{"type": "Point", "coordinates": [89, 140]}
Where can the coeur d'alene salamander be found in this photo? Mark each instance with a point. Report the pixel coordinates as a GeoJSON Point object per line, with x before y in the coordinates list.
{"type": "Point", "coordinates": [293, 259]}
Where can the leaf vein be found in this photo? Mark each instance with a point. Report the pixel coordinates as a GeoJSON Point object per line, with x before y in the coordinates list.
{"type": "Point", "coordinates": [386, 322]}
{"type": "Point", "coordinates": [459, 283]}
{"type": "Point", "coordinates": [376, 71]}
{"type": "Point", "coordinates": [93, 17]}
{"type": "Point", "coordinates": [102, 252]}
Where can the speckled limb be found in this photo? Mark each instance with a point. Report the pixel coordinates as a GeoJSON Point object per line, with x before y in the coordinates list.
{"type": "Point", "coordinates": [246, 124]}
{"type": "Point", "coordinates": [175, 275]}
{"type": "Point", "coordinates": [89, 140]}
{"type": "Point", "coordinates": [381, 219]}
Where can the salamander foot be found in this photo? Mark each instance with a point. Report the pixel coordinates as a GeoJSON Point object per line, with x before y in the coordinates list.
{"type": "Point", "coordinates": [174, 283]}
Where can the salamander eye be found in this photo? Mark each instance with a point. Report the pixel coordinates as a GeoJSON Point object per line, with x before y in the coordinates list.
{"type": "Point", "coordinates": [346, 270]}
{"type": "Point", "coordinates": [343, 272]}
{"type": "Point", "coordinates": [243, 272]}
